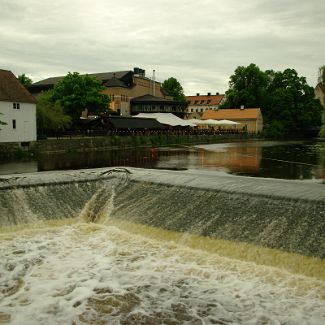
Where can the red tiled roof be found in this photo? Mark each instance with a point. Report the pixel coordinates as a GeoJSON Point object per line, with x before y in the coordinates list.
{"type": "Point", "coordinates": [11, 90]}
{"type": "Point", "coordinates": [203, 99]}
{"type": "Point", "coordinates": [232, 114]}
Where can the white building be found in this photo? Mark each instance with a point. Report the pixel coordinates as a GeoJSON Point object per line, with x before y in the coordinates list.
{"type": "Point", "coordinates": [201, 103]}
{"type": "Point", "coordinates": [18, 110]}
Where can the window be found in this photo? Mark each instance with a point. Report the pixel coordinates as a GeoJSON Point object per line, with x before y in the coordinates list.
{"type": "Point", "coordinates": [16, 105]}
{"type": "Point", "coordinates": [13, 124]}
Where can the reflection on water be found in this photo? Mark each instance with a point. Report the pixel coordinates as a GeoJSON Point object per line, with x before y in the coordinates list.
{"type": "Point", "coordinates": [286, 160]}
{"type": "Point", "coordinates": [18, 167]}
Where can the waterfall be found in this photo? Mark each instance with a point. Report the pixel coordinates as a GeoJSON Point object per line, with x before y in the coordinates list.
{"type": "Point", "coordinates": [286, 215]}
{"type": "Point", "coordinates": [131, 246]}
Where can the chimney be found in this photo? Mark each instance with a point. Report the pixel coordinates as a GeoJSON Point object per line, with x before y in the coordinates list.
{"type": "Point", "coordinates": [217, 93]}
{"type": "Point", "coordinates": [209, 94]}
{"type": "Point", "coordinates": [197, 94]}
{"type": "Point", "coordinates": [242, 107]}
{"type": "Point", "coordinates": [153, 83]}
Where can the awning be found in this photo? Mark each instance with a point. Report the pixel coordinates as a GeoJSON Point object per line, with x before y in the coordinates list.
{"type": "Point", "coordinates": [166, 118]}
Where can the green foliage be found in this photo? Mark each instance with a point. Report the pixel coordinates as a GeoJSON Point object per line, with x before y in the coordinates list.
{"type": "Point", "coordinates": [50, 115]}
{"type": "Point", "coordinates": [292, 102]}
{"type": "Point", "coordinates": [75, 93]}
{"type": "Point", "coordinates": [24, 80]}
{"type": "Point", "coordinates": [287, 102]}
{"type": "Point", "coordinates": [174, 88]}
{"type": "Point", "coordinates": [247, 87]}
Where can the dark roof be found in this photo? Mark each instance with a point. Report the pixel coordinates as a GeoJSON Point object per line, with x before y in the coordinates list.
{"type": "Point", "coordinates": [11, 90]}
{"type": "Point", "coordinates": [114, 82]}
{"type": "Point", "coordinates": [135, 123]}
{"type": "Point", "coordinates": [149, 98]}
{"type": "Point", "coordinates": [103, 76]}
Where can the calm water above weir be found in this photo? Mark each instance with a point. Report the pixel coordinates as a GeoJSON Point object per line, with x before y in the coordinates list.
{"type": "Point", "coordinates": [270, 159]}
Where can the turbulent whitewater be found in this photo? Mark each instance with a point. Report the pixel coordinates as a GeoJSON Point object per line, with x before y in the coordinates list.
{"type": "Point", "coordinates": [132, 246]}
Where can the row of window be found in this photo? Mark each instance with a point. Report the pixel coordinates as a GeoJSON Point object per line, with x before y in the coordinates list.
{"type": "Point", "coordinates": [124, 98]}
{"type": "Point", "coordinates": [203, 101]}
{"type": "Point", "coordinates": [200, 109]}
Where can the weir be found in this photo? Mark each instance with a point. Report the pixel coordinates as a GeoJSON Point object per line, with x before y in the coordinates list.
{"type": "Point", "coordinates": [286, 215]}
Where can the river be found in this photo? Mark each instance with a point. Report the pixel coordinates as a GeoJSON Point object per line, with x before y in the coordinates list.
{"type": "Point", "coordinates": [192, 242]}
{"type": "Point", "coordinates": [302, 160]}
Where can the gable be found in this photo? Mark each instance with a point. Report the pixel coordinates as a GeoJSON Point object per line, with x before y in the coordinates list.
{"type": "Point", "coordinates": [205, 99]}
{"type": "Point", "coordinates": [11, 90]}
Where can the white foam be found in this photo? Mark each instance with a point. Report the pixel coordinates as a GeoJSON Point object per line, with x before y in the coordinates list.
{"type": "Point", "coordinates": [63, 270]}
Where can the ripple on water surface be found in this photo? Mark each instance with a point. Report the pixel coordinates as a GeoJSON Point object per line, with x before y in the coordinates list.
{"type": "Point", "coordinates": [102, 274]}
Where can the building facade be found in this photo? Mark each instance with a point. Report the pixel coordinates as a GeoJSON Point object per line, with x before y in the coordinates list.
{"type": "Point", "coordinates": [121, 86]}
{"type": "Point", "coordinates": [201, 103]}
{"type": "Point", "coordinates": [250, 119]}
{"type": "Point", "coordinates": [18, 110]}
{"type": "Point", "coordinates": [153, 104]}
{"type": "Point", "coordinates": [320, 93]}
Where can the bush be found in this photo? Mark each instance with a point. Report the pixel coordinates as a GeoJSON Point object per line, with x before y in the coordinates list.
{"type": "Point", "coordinates": [275, 130]}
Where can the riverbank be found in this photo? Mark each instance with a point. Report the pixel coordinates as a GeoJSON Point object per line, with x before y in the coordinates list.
{"type": "Point", "coordinates": [87, 144]}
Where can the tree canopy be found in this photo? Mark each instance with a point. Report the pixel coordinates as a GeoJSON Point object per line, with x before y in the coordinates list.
{"type": "Point", "coordinates": [50, 115]}
{"type": "Point", "coordinates": [24, 80]}
{"type": "Point", "coordinates": [174, 88]}
{"type": "Point", "coordinates": [246, 87]}
{"type": "Point", "coordinates": [75, 93]}
{"type": "Point", "coordinates": [287, 102]}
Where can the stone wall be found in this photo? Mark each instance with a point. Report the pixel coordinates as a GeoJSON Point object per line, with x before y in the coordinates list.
{"type": "Point", "coordinates": [79, 144]}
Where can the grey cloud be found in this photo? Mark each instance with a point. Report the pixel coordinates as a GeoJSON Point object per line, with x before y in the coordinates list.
{"type": "Point", "coordinates": [200, 43]}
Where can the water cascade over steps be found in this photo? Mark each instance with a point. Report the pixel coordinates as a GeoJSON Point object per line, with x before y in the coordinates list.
{"type": "Point", "coordinates": [286, 215]}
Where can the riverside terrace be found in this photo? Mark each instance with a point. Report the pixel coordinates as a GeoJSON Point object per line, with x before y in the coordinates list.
{"type": "Point", "coordinates": [126, 126]}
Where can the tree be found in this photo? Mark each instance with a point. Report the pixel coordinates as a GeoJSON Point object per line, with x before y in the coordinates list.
{"type": "Point", "coordinates": [247, 87]}
{"type": "Point", "coordinates": [292, 101]}
{"type": "Point", "coordinates": [50, 116]}
{"type": "Point", "coordinates": [24, 80]}
{"type": "Point", "coordinates": [174, 88]}
{"type": "Point", "coordinates": [75, 93]}
{"type": "Point", "coordinates": [286, 100]}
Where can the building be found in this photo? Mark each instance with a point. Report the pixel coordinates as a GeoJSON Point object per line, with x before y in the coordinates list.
{"type": "Point", "coordinates": [153, 104]}
{"type": "Point", "coordinates": [201, 103]}
{"type": "Point", "coordinates": [123, 87]}
{"type": "Point", "coordinates": [18, 110]}
{"type": "Point", "coordinates": [250, 119]}
{"type": "Point", "coordinates": [320, 93]}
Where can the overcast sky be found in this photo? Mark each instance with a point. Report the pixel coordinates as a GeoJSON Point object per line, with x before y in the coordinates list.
{"type": "Point", "coordinates": [198, 42]}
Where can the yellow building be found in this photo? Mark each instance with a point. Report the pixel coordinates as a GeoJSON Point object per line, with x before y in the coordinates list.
{"type": "Point", "coordinates": [250, 119]}
{"type": "Point", "coordinates": [122, 87]}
